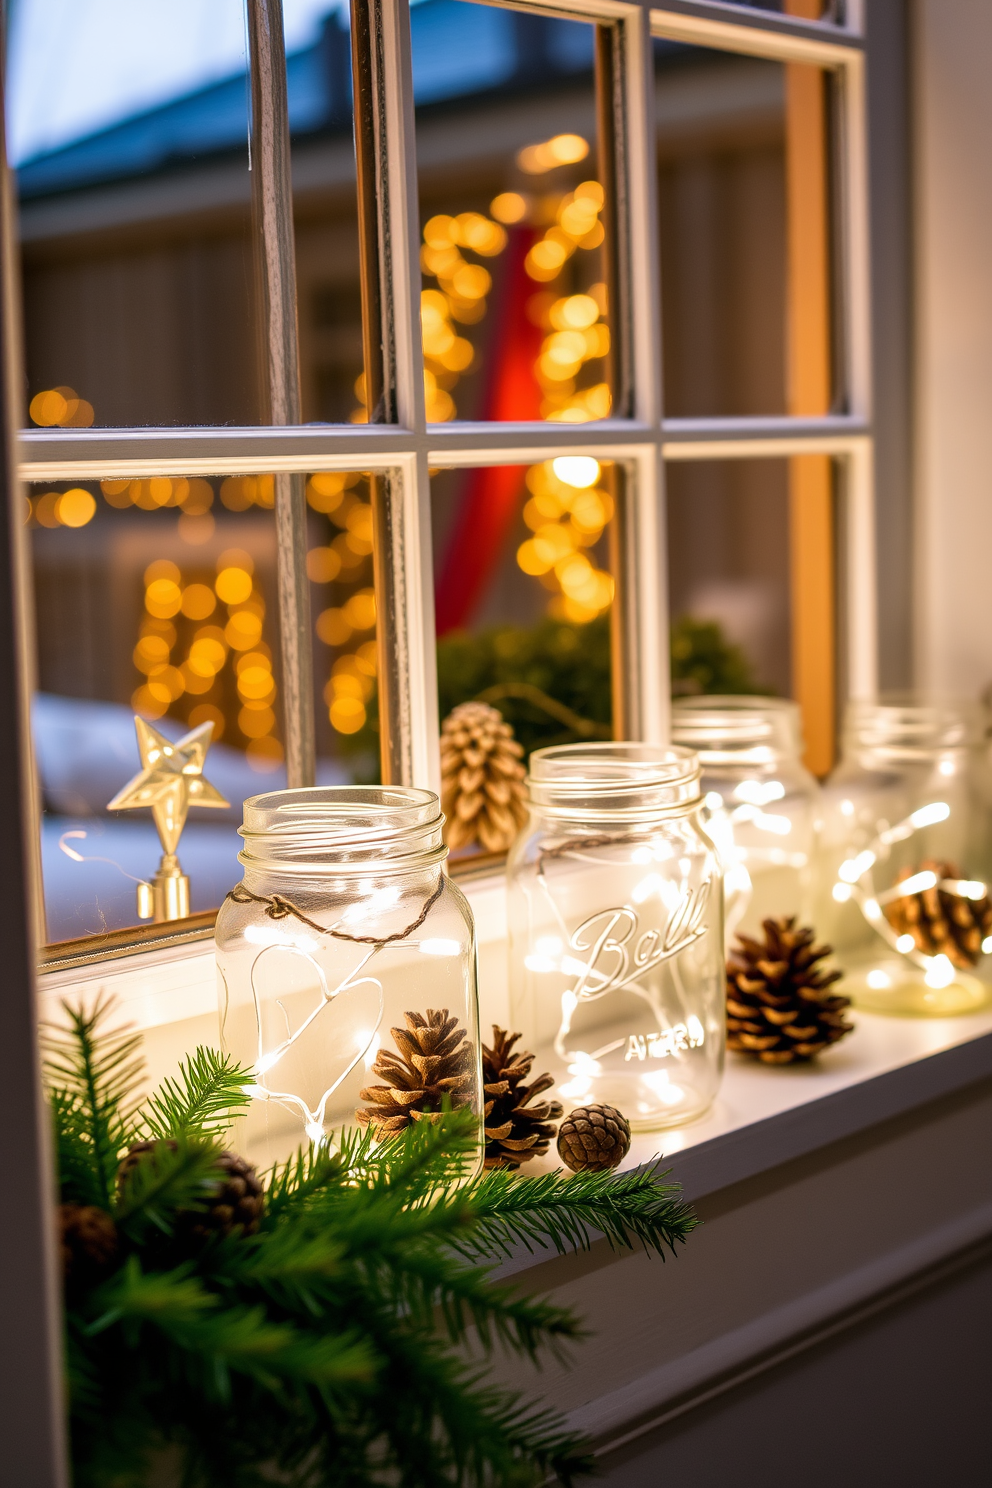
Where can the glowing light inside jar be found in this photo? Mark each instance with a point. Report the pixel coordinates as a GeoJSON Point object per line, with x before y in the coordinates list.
{"type": "Point", "coordinates": [439, 948]}
{"type": "Point", "coordinates": [879, 980]}
{"type": "Point", "coordinates": [905, 943]}
{"type": "Point", "coordinates": [940, 973]}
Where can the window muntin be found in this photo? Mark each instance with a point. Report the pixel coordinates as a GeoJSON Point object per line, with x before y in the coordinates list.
{"type": "Point", "coordinates": [409, 731]}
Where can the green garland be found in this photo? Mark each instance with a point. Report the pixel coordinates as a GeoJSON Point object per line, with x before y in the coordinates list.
{"type": "Point", "coordinates": [512, 666]}
{"type": "Point", "coordinates": [328, 1347]}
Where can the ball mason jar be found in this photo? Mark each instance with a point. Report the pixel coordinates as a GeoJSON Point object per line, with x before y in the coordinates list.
{"type": "Point", "coordinates": [904, 857]}
{"type": "Point", "coordinates": [761, 806]}
{"type": "Point", "coordinates": [616, 936]}
{"type": "Point", "coordinates": [346, 967]}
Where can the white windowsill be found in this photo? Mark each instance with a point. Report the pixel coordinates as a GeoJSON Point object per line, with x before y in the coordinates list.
{"type": "Point", "coordinates": [762, 1116]}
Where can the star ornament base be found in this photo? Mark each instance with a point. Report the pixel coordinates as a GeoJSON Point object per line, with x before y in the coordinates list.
{"type": "Point", "coordinates": [167, 896]}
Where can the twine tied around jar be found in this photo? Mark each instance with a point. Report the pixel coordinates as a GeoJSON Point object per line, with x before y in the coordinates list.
{"type": "Point", "coordinates": [277, 907]}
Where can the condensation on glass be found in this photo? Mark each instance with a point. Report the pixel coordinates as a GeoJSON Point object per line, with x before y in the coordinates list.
{"type": "Point", "coordinates": [514, 302]}
{"type": "Point", "coordinates": [158, 597]}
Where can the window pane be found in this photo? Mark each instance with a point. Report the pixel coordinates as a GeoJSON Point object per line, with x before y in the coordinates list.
{"type": "Point", "coordinates": [753, 582]}
{"type": "Point", "coordinates": [158, 597]}
{"type": "Point", "coordinates": [514, 301]}
{"type": "Point", "coordinates": [728, 565]}
{"type": "Point", "coordinates": [744, 234]}
{"type": "Point", "coordinates": [129, 128]}
{"type": "Point", "coordinates": [523, 597]}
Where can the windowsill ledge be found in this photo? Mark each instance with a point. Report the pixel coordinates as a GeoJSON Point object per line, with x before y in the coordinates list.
{"type": "Point", "coordinates": [762, 1117]}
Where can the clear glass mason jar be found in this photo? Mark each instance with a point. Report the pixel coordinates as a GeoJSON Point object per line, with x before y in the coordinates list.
{"type": "Point", "coordinates": [904, 857]}
{"type": "Point", "coordinates": [616, 937]}
{"type": "Point", "coordinates": [336, 957]}
{"type": "Point", "coordinates": [761, 806]}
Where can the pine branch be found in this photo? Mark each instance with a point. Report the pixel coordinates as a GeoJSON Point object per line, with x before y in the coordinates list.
{"type": "Point", "coordinates": [570, 1210]}
{"type": "Point", "coordinates": [203, 1101]}
{"type": "Point", "coordinates": [94, 1074]}
{"type": "Point", "coordinates": [171, 1177]}
{"type": "Point", "coordinates": [218, 1339]}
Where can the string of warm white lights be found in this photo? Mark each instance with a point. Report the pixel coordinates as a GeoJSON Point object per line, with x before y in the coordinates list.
{"type": "Point", "coordinates": [855, 883]}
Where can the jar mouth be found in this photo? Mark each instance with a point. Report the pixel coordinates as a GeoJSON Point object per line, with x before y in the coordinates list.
{"type": "Point", "coordinates": [911, 721]}
{"type": "Point", "coordinates": [613, 777]}
{"type": "Point", "coordinates": [716, 725]}
{"type": "Point", "coordinates": [343, 824]}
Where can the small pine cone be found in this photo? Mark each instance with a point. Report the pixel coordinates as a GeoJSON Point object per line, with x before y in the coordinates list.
{"type": "Point", "coordinates": [779, 1003]}
{"type": "Point", "coordinates": [940, 921]}
{"type": "Point", "coordinates": [482, 779]}
{"type": "Point", "coordinates": [435, 1060]}
{"type": "Point", "coordinates": [234, 1198]}
{"type": "Point", "coordinates": [516, 1131]}
{"type": "Point", "coordinates": [593, 1139]}
{"type": "Point", "coordinates": [89, 1243]}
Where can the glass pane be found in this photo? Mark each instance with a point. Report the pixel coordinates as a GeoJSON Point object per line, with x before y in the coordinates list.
{"type": "Point", "coordinates": [129, 130]}
{"type": "Point", "coordinates": [744, 234]}
{"type": "Point", "coordinates": [158, 598]}
{"type": "Point", "coordinates": [513, 306]}
{"type": "Point", "coordinates": [728, 573]}
{"type": "Point", "coordinates": [523, 597]}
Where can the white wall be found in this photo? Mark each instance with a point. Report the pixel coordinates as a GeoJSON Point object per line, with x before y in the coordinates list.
{"type": "Point", "coordinates": [952, 106]}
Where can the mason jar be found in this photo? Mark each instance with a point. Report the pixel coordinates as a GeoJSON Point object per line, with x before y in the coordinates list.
{"type": "Point", "coordinates": [616, 936]}
{"type": "Point", "coordinates": [761, 806]}
{"type": "Point", "coordinates": [904, 857]}
{"type": "Point", "coordinates": [346, 967]}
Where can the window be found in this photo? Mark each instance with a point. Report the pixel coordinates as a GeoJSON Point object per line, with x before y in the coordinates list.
{"type": "Point", "coordinates": [635, 237]}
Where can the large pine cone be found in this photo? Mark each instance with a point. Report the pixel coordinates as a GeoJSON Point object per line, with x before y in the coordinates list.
{"type": "Point", "coordinates": [516, 1131]}
{"type": "Point", "coordinates": [593, 1139]}
{"type": "Point", "coordinates": [941, 922]}
{"type": "Point", "coordinates": [779, 1004]}
{"type": "Point", "coordinates": [482, 790]}
{"type": "Point", "coordinates": [435, 1060]}
{"type": "Point", "coordinates": [89, 1243]}
{"type": "Point", "coordinates": [234, 1198]}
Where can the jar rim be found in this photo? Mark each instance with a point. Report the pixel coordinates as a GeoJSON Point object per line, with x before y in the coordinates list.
{"type": "Point", "coordinates": [736, 720]}
{"type": "Point", "coordinates": [341, 819]}
{"type": "Point", "coordinates": [913, 720]}
{"type": "Point", "coordinates": [604, 765]}
{"type": "Point", "coordinates": [618, 779]}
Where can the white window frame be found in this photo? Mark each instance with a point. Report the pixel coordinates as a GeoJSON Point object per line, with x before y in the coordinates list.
{"type": "Point", "coordinates": [403, 452]}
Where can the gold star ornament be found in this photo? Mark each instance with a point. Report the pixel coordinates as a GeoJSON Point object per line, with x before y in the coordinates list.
{"type": "Point", "coordinates": [170, 781]}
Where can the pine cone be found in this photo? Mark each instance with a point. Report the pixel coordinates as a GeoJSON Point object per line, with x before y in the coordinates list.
{"type": "Point", "coordinates": [941, 923]}
{"type": "Point", "coordinates": [435, 1060]}
{"type": "Point", "coordinates": [593, 1139]}
{"type": "Point", "coordinates": [89, 1243]}
{"type": "Point", "coordinates": [482, 790]}
{"type": "Point", "coordinates": [515, 1130]}
{"type": "Point", "coordinates": [779, 1005]}
{"type": "Point", "coordinates": [233, 1199]}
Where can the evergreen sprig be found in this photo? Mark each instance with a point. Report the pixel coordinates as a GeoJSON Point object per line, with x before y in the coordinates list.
{"type": "Point", "coordinates": [332, 1346]}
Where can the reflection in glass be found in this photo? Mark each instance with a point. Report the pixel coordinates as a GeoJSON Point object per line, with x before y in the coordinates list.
{"type": "Point", "coordinates": [513, 308]}
{"type": "Point", "coordinates": [523, 595]}
{"type": "Point", "coordinates": [158, 597]}
{"type": "Point", "coordinates": [129, 130]}
{"type": "Point", "coordinates": [729, 576]}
